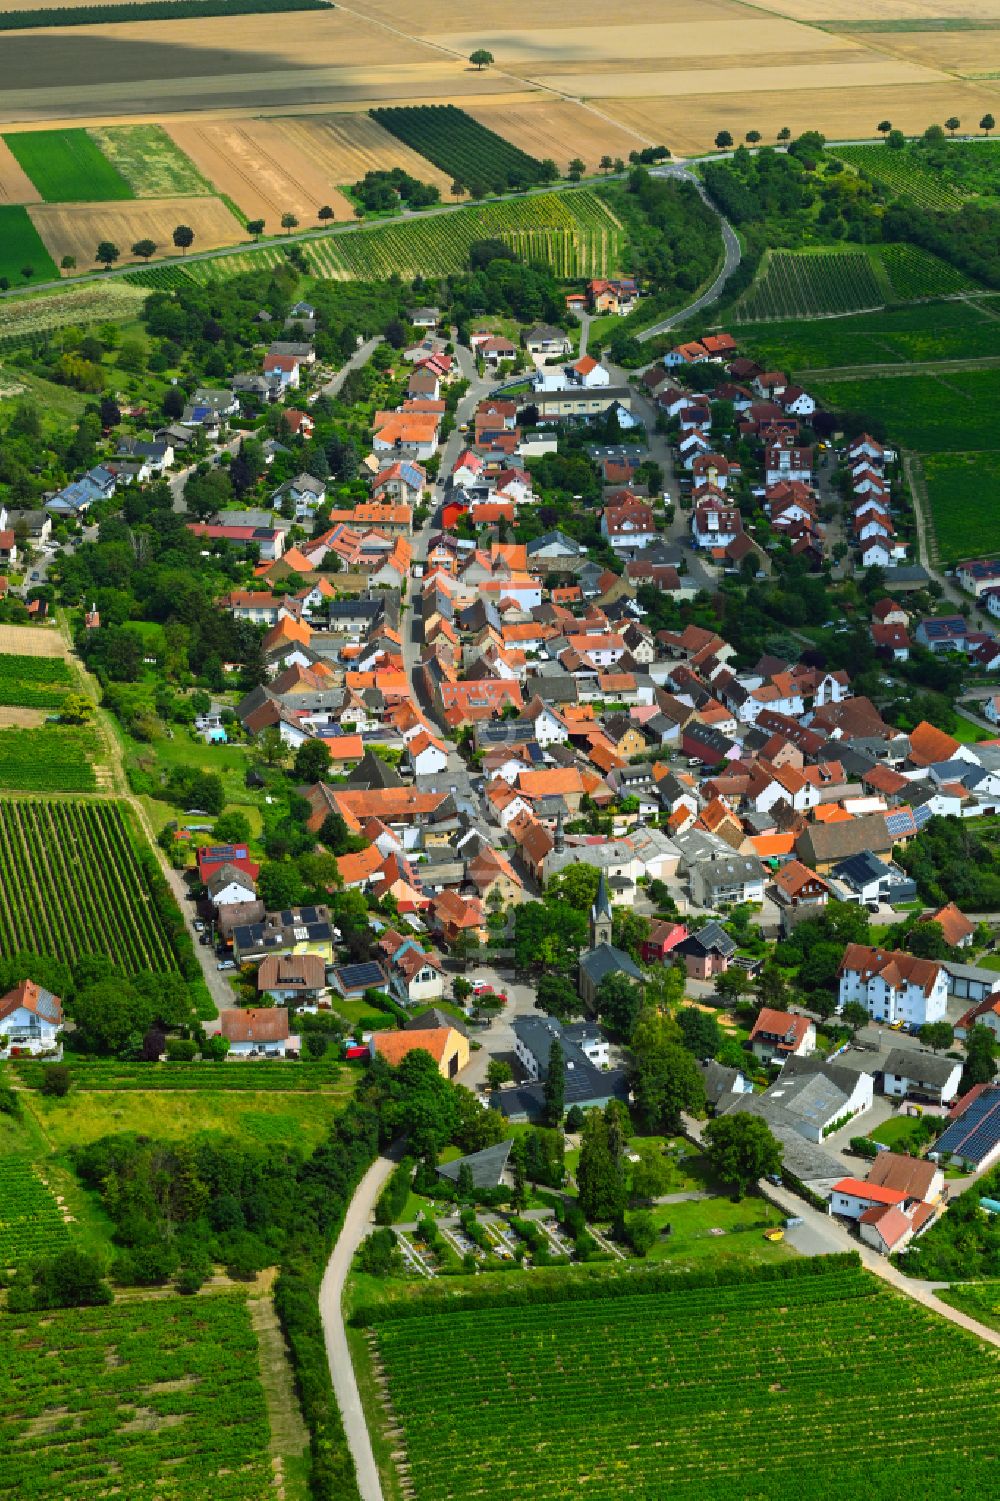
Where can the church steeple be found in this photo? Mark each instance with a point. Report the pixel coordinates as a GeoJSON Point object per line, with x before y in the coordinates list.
{"type": "Point", "coordinates": [600, 916]}
{"type": "Point", "coordinates": [559, 843]}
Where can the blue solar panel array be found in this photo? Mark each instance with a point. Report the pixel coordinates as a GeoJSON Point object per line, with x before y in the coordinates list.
{"type": "Point", "coordinates": [977, 1130]}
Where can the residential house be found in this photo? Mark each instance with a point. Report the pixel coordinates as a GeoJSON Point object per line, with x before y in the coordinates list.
{"type": "Point", "coordinates": [253, 1032]}
{"type": "Point", "coordinates": [30, 1020]}
{"type": "Point", "coordinates": [707, 952]}
{"type": "Point", "coordinates": [892, 985]}
{"type": "Point", "coordinates": [777, 1035]}
{"type": "Point", "coordinates": [722, 880]}
{"type": "Point", "coordinates": [913, 1074]}
{"type": "Point", "coordinates": [292, 978]}
{"type": "Point", "coordinates": [972, 1139]}
{"type": "Point", "coordinates": [447, 1046]}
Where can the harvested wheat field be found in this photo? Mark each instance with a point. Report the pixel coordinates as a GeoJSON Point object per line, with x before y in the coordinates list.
{"type": "Point", "coordinates": [452, 16]}
{"type": "Point", "coordinates": [961, 52]}
{"type": "Point", "coordinates": [689, 125]}
{"type": "Point", "coordinates": [15, 184]}
{"type": "Point", "coordinates": [815, 11]}
{"type": "Point", "coordinates": [560, 130]}
{"type": "Point", "coordinates": [31, 641]}
{"type": "Point", "coordinates": [345, 147]}
{"type": "Point", "coordinates": [75, 228]}
{"type": "Point", "coordinates": [22, 719]}
{"type": "Point", "coordinates": [256, 164]}
{"type": "Point", "coordinates": [533, 49]}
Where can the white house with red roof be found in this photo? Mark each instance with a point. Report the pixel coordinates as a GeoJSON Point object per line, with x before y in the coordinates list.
{"type": "Point", "coordinates": [30, 1019]}
{"type": "Point", "coordinates": [851, 1197]}
{"type": "Point", "coordinates": [714, 526]}
{"type": "Point", "coordinates": [778, 1035]}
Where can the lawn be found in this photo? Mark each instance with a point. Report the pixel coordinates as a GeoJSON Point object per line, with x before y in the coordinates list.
{"type": "Point", "coordinates": [903, 1133]}
{"type": "Point", "coordinates": [270, 1117]}
{"type": "Point", "coordinates": [718, 1233]}
{"type": "Point", "coordinates": [149, 1397]}
{"type": "Point", "coordinates": [21, 246]}
{"type": "Point", "coordinates": [66, 166]}
{"type": "Point", "coordinates": [739, 1389]}
{"type": "Point", "coordinates": [967, 733]}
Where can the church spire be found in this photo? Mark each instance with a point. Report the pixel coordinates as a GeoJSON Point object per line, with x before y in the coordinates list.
{"type": "Point", "coordinates": [600, 916]}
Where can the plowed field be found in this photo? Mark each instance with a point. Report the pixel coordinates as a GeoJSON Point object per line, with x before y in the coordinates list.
{"type": "Point", "coordinates": [262, 169]}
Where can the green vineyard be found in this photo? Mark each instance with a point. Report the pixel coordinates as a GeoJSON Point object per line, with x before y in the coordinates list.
{"type": "Point", "coordinates": [808, 286]}
{"type": "Point", "coordinates": [33, 682]}
{"type": "Point", "coordinates": [142, 1400]}
{"type": "Point", "coordinates": [72, 885]}
{"type": "Point", "coordinates": [30, 1222]}
{"type": "Point", "coordinates": [273, 1077]}
{"type": "Point", "coordinates": [469, 152]}
{"type": "Point", "coordinates": [770, 1389]}
{"type": "Point", "coordinates": [915, 273]}
{"type": "Point", "coordinates": [902, 175]}
{"type": "Point", "coordinates": [575, 233]}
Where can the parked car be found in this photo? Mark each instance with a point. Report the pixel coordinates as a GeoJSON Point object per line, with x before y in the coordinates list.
{"type": "Point", "coordinates": [226, 964]}
{"type": "Point", "coordinates": [199, 926]}
{"type": "Point", "coordinates": [482, 988]}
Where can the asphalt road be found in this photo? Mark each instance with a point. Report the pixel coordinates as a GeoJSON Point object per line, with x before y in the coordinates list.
{"type": "Point", "coordinates": [357, 1224]}
{"type": "Point", "coordinates": [731, 259]}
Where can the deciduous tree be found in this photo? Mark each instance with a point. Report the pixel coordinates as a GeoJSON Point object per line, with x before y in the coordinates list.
{"type": "Point", "coordinates": [741, 1148]}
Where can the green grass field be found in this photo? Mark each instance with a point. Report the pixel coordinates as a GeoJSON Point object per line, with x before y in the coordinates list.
{"type": "Point", "coordinates": [980, 1300]}
{"type": "Point", "coordinates": [925, 331]}
{"type": "Point", "coordinates": [283, 1119]}
{"type": "Point", "coordinates": [956, 483]}
{"type": "Point", "coordinates": [151, 164]}
{"type": "Point", "coordinates": [900, 1133]}
{"type": "Point", "coordinates": [21, 246]}
{"type": "Point", "coordinates": [696, 1394]}
{"type": "Point", "coordinates": [66, 166]}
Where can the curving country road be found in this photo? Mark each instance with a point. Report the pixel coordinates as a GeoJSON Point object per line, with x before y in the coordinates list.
{"type": "Point", "coordinates": [731, 259]}
{"type": "Point", "coordinates": [357, 1223]}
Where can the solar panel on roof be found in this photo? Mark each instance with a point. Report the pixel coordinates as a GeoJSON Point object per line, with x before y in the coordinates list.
{"type": "Point", "coordinates": [977, 1130]}
{"type": "Point", "coordinates": [366, 975]}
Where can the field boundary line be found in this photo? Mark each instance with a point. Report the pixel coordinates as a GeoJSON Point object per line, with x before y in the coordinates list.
{"type": "Point", "coordinates": [912, 367]}
{"type": "Point", "coordinates": [927, 542]}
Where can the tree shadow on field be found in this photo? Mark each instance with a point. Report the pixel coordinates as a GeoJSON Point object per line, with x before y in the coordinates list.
{"type": "Point", "coordinates": [64, 58]}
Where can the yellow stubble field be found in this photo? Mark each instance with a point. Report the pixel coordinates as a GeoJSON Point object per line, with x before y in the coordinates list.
{"type": "Point", "coordinates": [265, 173]}
{"type": "Point", "coordinates": [562, 130]}
{"type": "Point", "coordinates": [689, 123]}
{"type": "Point", "coordinates": [345, 147]}
{"type": "Point", "coordinates": [76, 228]}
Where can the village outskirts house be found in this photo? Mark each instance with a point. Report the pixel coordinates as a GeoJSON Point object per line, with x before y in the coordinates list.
{"type": "Point", "coordinates": [778, 1035]}
{"type": "Point", "coordinates": [31, 1018]}
{"type": "Point", "coordinates": [255, 1032]}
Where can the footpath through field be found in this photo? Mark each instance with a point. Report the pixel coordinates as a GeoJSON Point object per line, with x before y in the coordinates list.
{"type": "Point", "coordinates": [357, 1223]}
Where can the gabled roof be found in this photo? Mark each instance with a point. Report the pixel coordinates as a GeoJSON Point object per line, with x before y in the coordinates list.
{"type": "Point", "coordinates": [34, 998]}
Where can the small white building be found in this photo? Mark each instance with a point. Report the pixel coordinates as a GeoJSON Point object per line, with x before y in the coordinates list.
{"type": "Point", "coordinates": [909, 1072]}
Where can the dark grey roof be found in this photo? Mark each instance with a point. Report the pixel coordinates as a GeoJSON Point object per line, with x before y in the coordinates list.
{"type": "Point", "coordinates": [371, 771]}
{"type": "Point", "coordinates": [487, 1167]}
{"type": "Point", "coordinates": [719, 1080]}
{"type": "Point", "coordinates": [433, 1018]}
{"type": "Point", "coordinates": [606, 960]}
{"type": "Point", "coordinates": [922, 1068]}
{"type": "Point", "coordinates": [859, 869]}
{"type": "Point", "coordinates": [712, 938]}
